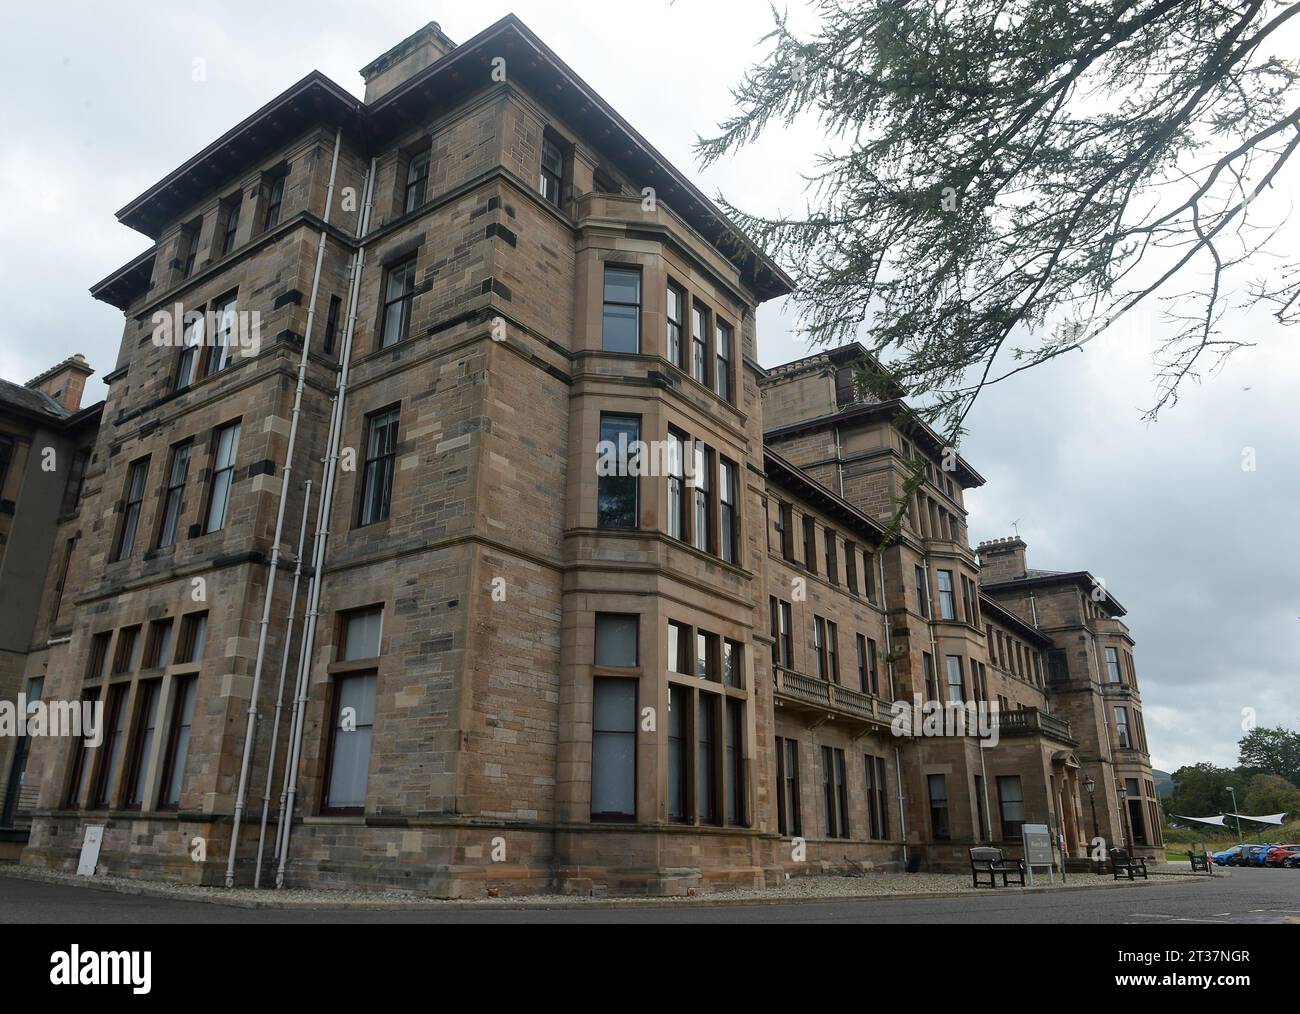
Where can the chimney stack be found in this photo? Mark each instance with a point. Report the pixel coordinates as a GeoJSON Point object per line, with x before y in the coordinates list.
{"type": "Point", "coordinates": [1002, 559]}
{"type": "Point", "coordinates": [405, 60]}
{"type": "Point", "coordinates": [65, 383]}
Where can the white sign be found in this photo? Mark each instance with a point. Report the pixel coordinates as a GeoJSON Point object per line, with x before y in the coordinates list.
{"type": "Point", "coordinates": [90, 850]}
{"type": "Point", "coordinates": [1038, 849]}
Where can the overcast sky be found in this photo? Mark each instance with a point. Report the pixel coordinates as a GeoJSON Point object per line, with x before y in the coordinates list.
{"type": "Point", "coordinates": [98, 104]}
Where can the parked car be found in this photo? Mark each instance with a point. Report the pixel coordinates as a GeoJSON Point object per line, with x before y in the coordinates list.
{"type": "Point", "coordinates": [1254, 855]}
{"type": "Point", "coordinates": [1228, 857]}
{"type": "Point", "coordinates": [1285, 855]}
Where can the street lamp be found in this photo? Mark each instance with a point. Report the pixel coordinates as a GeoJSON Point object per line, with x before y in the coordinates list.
{"type": "Point", "coordinates": [1240, 839]}
{"type": "Point", "coordinates": [1090, 784]}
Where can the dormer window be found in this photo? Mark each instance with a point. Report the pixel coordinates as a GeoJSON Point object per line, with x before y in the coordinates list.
{"type": "Point", "coordinates": [552, 171]}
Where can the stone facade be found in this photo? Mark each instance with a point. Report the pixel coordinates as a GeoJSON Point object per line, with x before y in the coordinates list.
{"type": "Point", "coordinates": [525, 674]}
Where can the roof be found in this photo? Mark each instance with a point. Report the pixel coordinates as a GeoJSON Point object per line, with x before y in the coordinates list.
{"type": "Point", "coordinates": [29, 402]}
{"type": "Point", "coordinates": [1047, 578]}
{"type": "Point", "coordinates": [794, 478]}
{"type": "Point", "coordinates": [316, 99]}
{"type": "Point", "coordinates": [995, 610]}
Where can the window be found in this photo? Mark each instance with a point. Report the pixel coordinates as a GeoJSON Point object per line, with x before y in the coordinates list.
{"type": "Point", "coordinates": [351, 737]}
{"type": "Point", "coordinates": [810, 543]}
{"type": "Point", "coordinates": [613, 750]}
{"type": "Point", "coordinates": [679, 703]}
{"type": "Point", "coordinates": [68, 548]}
{"type": "Point", "coordinates": [362, 631]}
{"type": "Point", "coordinates": [833, 650]}
{"type": "Point", "coordinates": [676, 485]}
{"type": "Point", "coordinates": [706, 655]}
{"type": "Point", "coordinates": [621, 328]}
{"type": "Point", "coordinates": [226, 443]}
{"type": "Point", "coordinates": [1058, 666]}
{"type": "Point", "coordinates": [552, 171]}
{"type": "Point", "coordinates": [877, 805]}
{"type": "Point", "coordinates": [73, 487]}
{"type": "Point", "coordinates": [706, 728]}
{"type": "Point", "coordinates": [927, 666]}
{"type": "Point", "coordinates": [98, 655]}
{"type": "Point", "coordinates": [722, 369]}
{"type": "Point", "coordinates": [193, 639]}
{"type": "Point", "coordinates": [734, 762]}
{"type": "Point", "coordinates": [158, 644]}
{"type": "Point", "coordinates": [6, 458]}
{"type": "Point", "coordinates": [781, 650]}
{"type": "Point", "coordinates": [146, 718]}
{"type": "Point", "coordinates": [947, 603]}
{"type": "Point", "coordinates": [1112, 666]}
{"type": "Point", "coordinates": [700, 343]}
{"type": "Point", "coordinates": [869, 575]}
{"type": "Point", "coordinates": [873, 669]}
{"type": "Point", "coordinates": [785, 525]}
{"type": "Point", "coordinates": [399, 296]}
{"type": "Point", "coordinates": [190, 241]}
{"type": "Point", "coordinates": [819, 647]}
{"type": "Point", "coordinates": [135, 480]}
{"type": "Point", "coordinates": [178, 741]}
{"type": "Point", "coordinates": [956, 689]}
{"type": "Point", "coordinates": [922, 592]}
{"type": "Point", "coordinates": [970, 599]}
{"type": "Point", "coordinates": [191, 349]}
{"type": "Point", "coordinates": [377, 475]}
{"type": "Point", "coordinates": [230, 224]}
{"type": "Point", "coordinates": [79, 769]}
{"type": "Point", "coordinates": [938, 789]}
{"type": "Point", "coordinates": [679, 641]}
{"type": "Point", "coordinates": [225, 318]}
{"type": "Point", "coordinates": [332, 324]}
{"type": "Point", "coordinates": [1011, 803]}
{"type": "Point", "coordinates": [703, 527]}
{"type": "Point", "coordinates": [733, 665]}
{"type": "Point", "coordinates": [851, 566]}
{"type": "Point", "coordinates": [616, 493]}
{"type": "Point", "coordinates": [835, 793]}
{"type": "Point", "coordinates": [174, 497]}
{"type": "Point", "coordinates": [1121, 729]}
{"type": "Point", "coordinates": [728, 537]}
{"type": "Point", "coordinates": [274, 200]}
{"type": "Point", "coordinates": [110, 751]}
{"type": "Point", "coordinates": [864, 680]}
{"type": "Point", "coordinates": [126, 657]}
{"type": "Point", "coordinates": [417, 182]}
{"type": "Point", "coordinates": [616, 640]}
{"type": "Point", "coordinates": [675, 307]}
{"type": "Point", "coordinates": [832, 561]}
{"type": "Point", "coordinates": [787, 788]}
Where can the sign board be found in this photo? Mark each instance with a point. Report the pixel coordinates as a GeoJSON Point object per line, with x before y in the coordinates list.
{"type": "Point", "coordinates": [90, 850]}
{"type": "Point", "coordinates": [1038, 848]}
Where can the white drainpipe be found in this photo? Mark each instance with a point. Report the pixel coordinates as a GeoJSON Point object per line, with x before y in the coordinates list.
{"type": "Point", "coordinates": [322, 534]}
{"type": "Point", "coordinates": [279, 690]}
{"type": "Point", "coordinates": [251, 726]}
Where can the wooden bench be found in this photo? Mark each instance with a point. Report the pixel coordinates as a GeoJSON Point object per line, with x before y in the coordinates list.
{"type": "Point", "coordinates": [990, 861]}
{"type": "Point", "coordinates": [1121, 862]}
{"type": "Point", "coordinates": [1200, 861]}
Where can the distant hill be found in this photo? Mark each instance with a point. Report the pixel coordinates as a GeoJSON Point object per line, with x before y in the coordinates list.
{"type": "Point", "coordinates": [1164, 783]}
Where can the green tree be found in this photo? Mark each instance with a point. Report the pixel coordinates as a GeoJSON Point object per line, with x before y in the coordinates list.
{"type": "Point", "coordinates": [1003, 180]}
{"type": "Point", "coordinates": [1201, 790]}
{"type": "Point", "coordinates": [1266, 794]}
{"type": "Point", "coordinates": [1273, 751]}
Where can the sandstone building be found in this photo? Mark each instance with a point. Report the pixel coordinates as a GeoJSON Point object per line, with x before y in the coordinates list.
{"type": "Point", "coordinates": [520, 672]}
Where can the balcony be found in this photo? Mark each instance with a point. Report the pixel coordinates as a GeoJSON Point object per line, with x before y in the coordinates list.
{"type": "Point", "coordinates": [1032, 722]}
{"type": "Point", "coordinates": [801, 692]}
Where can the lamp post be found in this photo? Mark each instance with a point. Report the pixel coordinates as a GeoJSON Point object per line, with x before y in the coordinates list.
{"type": "Point", "coordinates": [1240, 839]}
{"type": "Point", "coordinates": [1091, 785]}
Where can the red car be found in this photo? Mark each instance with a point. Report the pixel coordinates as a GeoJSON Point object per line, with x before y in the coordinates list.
{"type": "Point", "coordinates": [1283, 855]}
